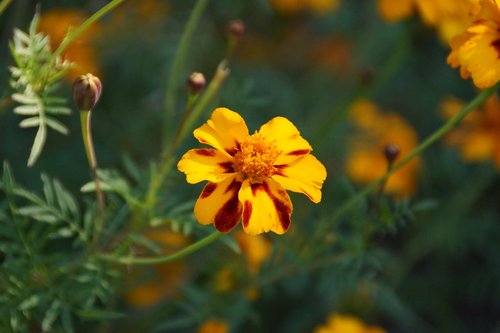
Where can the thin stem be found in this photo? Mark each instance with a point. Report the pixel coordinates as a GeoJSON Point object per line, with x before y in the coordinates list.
{"type": "Point", "coordinates": [164, 259]}
{"type": "Point", "coordinates": [89, 21]}
{"type": "Point", "coordinates": [178, 62]}
{"type": "Point", "coordinates": [167, 161]}
{"type": "Point", "coordinates": [449, 125]}
{"type": "Point", "coordinates": [3, 5]}
{"type": "Point", "coordinates": [86, 124]}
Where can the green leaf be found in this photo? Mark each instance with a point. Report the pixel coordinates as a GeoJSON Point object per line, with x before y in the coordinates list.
{"type": "Point", "coordinates": [8, 180]}
{"type": "Point", "coordinates": [65, 200]}
{"type": "Point", "coordinates": [32, 210]}
{"type": "Point", "coordinates": [58, 110]}
{"type": "Point", "coordinates": [38, 144]}
{"type": "Point", "coordinates": [66, 321]}
{"type": "Point", "coordinates": [48, 190]}
{"type": "Point", "coordinates": [62, 233]}
{"type": "Point", "coordinates": [57, 126]}
{"type": "Point", "coordinates": [30, 122]}
{"type": "Point", "coordinates": [93, 314]}
{"type": "Point", "coordinates": [29, 303]}
{"type": "Point", "coordinates": [51, 316]}
{"type": "Point", "coordinates": [27, 110]}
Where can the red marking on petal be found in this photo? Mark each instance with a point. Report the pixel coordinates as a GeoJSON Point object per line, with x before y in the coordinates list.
{"type": "Point", "coordinates": [247, 213]}
{"type": "Point", "coordinates": [234, 186]}
{"type": "Point", "coordinates": [208, 190]}
{"type": "Point", "coordinates": [227, 166]}
{"type": "Point", "coordinates": [229, 215]}
{"type": "Point", "coordinates": [205, 152]}
{"type": "Point", "coordinates": [496, 45]}
{"type": "Point", "coordinates": [299, 152]}
{"type": "Point", "coordinates": [202, 140]}
{"type": "Point", "coordinates": [284, 212]}
{"type": "Point", "coordinates": [255, 187]}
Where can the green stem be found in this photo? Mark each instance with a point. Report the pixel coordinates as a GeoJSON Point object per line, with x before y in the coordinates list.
{"type": "Point", "coordinates": [164, 259]}
{"type": "Point", "coordinates": [167, 159]}
{"type": "Point", "coordinates": [449, 125]}
{"type": "Point", "coordinates": [89, 21]}
{"type": "Point", "coordinates": [3, 5]}
{"type": "Point", "coordinates": [86, 124]}
{"type": "Point", "coordinates": [178, 62]}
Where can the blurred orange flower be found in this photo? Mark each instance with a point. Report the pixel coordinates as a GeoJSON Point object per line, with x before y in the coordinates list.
{"type": "Point", "coordinates": [295, 6]}
{"type": "Point", "coordinates": [255, 248]}
{"type": "Point", "coordinates": [55, 23]}
{"type": "Point", "coordinates": [478, 135]}
{"type": "Point", "coordinates": [365, 160]}
{"type": "Point", "coordinates": [477, 50]}
{"type": "Point", "coordinates": [338, 323]}
{"type": "Point", "coordinates": [148, 287]}
{"type": "Point", "coordinates": [212, 326]}
{"type": "Point", "coordinates": [450, 17]}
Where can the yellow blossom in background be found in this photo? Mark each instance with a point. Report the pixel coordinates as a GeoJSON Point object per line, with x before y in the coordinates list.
{"type": "Point", "coordinates": [338, 323]}
{"type": "Point", "coordinates": [449, 17]}
{"type": "Point", "coordinates": [477, 50]}
{"type": "Point", "coordinates": [366, 162]}
{"type": "Point", "coordinates": [150, 286]}
{"type": "Point", "coordinates": [212, 326]}
{"type": "Point", "coordinates": [255, 248]}
{"type": "Point", "coordinates": [478, 135]}
{"type": "Point", "coordinates": [55, 23]}
{"type": "Point", "coordinates": [295, 6]}
{"type": "Point", "coordinates": [248, 174]}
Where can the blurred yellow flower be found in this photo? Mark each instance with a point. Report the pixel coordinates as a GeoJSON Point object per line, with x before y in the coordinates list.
{"type": "Point", "coordinates": [478, 135]}
{"type": "Point", "coordinates": [365, 161]}
{"type": "Point", "coordinates": [248, 174]}
{"type": "Point", "coordinates": [450, 17]}
{"type": "Point", "coordinates": [255, 248]}
{"type": "Point", "coordinates": [338, 323]}
{"type": "Point", "coordinates": [477, 50]}
{"type": "Point", "coordinates": [148, 287]}
{"type": "Point", "coordinates": [212, 326]}
{"type": "Point", "coordinates": [295, 6]}
{"type": "Point", "coordinates": [55, 23]}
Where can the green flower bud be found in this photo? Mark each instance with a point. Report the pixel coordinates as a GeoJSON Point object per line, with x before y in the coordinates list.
{"type": "Point", "coordinates": [87, 90]}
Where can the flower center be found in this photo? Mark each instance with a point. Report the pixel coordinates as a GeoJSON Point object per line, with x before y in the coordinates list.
{"type": "Point", "coordinates": [255, 158]}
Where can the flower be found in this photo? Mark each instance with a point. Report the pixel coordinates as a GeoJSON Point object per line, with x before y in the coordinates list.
{"type": "Point", "coordinates": [346, 324]}
{"type": "Point", "coordinates": [295, 6]}
{"type": "Point", "coordinates": [55, 23]}
{"type": "Point", "coordinates": [248, 174]}
{"type": "Point", "coordinates": [212, 326]}
{"type": "Point", "coordinates": [478, 135]}
{"type": "Point", "coordinates": [477, 50]}
{"type": "Point", "coordinates": [256, 250]}
{"type": "Point", "coordinates": [87, 90]}
{"type": "Point", "coordinates": [450, 17]}
{"type": "Point", "coordinates": [148, 287]}
{"type": "Point", "coordinates": [366, 161]}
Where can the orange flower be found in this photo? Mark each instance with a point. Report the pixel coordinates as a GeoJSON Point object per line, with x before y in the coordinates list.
{"type": "Point", "coordinates": [477, 50]}
{"type": "Point", "coordinates": [256, 250]}
{"type": "Point", "coordinates": [55, 23]}
{"type": "Point", "coordinates": [249, 174]}
{"type": "Point", "coordinates": [212, 326]}
{"type": "Point", "coordinates": [366, 162]}
{"type": "Point", "coordinates": [346, 324]}
{"type": "Point", "coordinates": [478, 135]}
{"type": "Point", "coordinates": [149, 287]}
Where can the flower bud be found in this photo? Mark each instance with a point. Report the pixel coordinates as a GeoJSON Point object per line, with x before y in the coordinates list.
{"type": "Point", "coordinates": [87, 90]}
{"type": "Point", "coordinates": [196, 83]}
{"type": "Point", "coordinates": [236, 28]}
{"type": "Point", "coordinates": [391, 152]}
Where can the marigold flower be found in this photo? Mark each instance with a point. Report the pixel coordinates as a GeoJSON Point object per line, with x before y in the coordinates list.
{"type": "Point", "coordinates": [477, 50]}
{"type": "Point", "coordinates": [366, 161]}
{"type": "Point", "coordinates": [346, 324]}
{"type": "Point", "coordinates": [248, 174]}
{"type": "Point", "coordinates": [212, 326]}
{"type": "Point", "coordinates": [478, 135]}
{"type": "Point", "coordinates": [55, 23]}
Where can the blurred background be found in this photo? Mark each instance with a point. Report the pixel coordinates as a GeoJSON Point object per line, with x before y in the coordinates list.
{"type": "Point", "coordinates": [421, 257]}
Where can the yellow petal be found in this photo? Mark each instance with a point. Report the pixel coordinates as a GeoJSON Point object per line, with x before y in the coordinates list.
{"type": "Point", "coordinates": [305, 175]}
{"type": "Point", "coordinates": [218, 203]}
{"type": "Point", "coordinates": [224, 130]}
{"type": "Point", "coordinates": [287, 139]}
{"type": "Point", "coordinates": [205, 164]}
{"type": "Point", "coordinates": [266, 207]}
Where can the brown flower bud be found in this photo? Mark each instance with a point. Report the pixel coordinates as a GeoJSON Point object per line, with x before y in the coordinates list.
{"type": "Point", "coordinates": [87, 90]}
{"type": "Point", "coordinates": [236, 28]}
{"type": "Point", "coordinates": [196, 82]}
{"type": "Point", "coordinates": [391, 152]}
